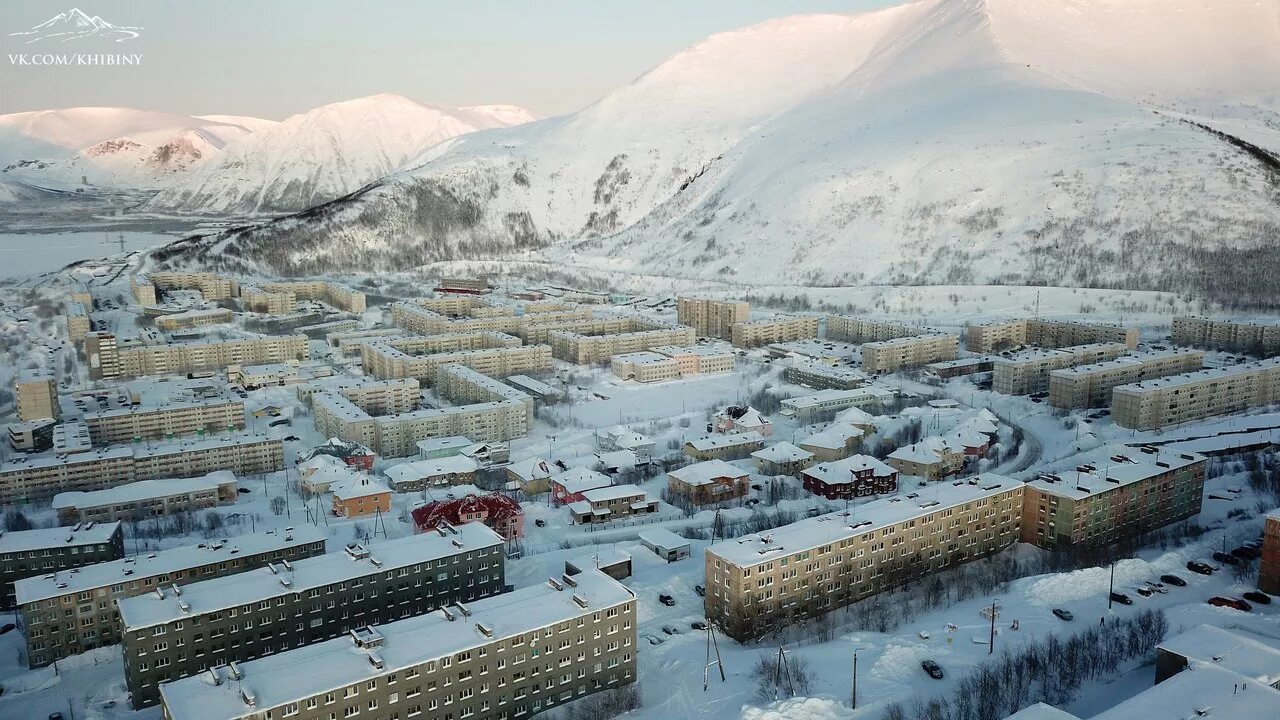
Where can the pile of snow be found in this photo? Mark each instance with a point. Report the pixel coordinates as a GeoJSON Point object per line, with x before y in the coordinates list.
{"type": "Point", "coordinates": [799, 709]}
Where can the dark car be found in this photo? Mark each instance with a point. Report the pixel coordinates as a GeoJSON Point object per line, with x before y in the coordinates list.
{"type": "Point", "coordinates": [1173, 580]}
{"type": "Point", "coordinates": [1259, 597]}
{"type": "Point", "coordinates": [698, 625]}
{"type": "Point", "coordinates": [1199, 567]}
{"type": "Point", "coordinates": [933, 668]}
{"type": "Point", "coordinates": [540, 522]}
{"type": "Point", "coordinates": [1144, 592]}
{"type": "Point", "coordinates": [702, 591]}
{"type": "Point", "coordinates": [666, 599]}
{"type": "Point", "coordinates": [6, 628]}
{"type": "Point", "coordinates": [1063, 614]}
{"type": "Point", "coordinates": [1246, 553]}
{"type": "Point", "coordinates": [281, 421]}
{"type": "Point", "coordinates": [1121, 598]}
{"type": "Point", "coordinates": [243, 490]}
{"type": "Point", "coordinates": [1226, 559]}
{"type": "Point", "coordinates": [1236, 603]}
{"type": "Point", "coordinates": [757, 486]}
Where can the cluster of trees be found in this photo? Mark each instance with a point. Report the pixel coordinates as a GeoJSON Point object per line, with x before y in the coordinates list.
{"type": "Point", "coordinates": [1049, 670]}
{"type": "Point", "coordinates": [602, 705]}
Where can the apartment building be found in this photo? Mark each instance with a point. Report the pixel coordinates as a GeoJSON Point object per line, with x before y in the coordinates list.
{"type": "Point", "coordinates": [360, 495]}
{"type": "Point", "coordinates": [173, 417]}
{"type": "Point", "coordinates": [605, 504]}
{"type": "Point", "coordinates": [857, 330]}
{"type": "Point", "coordinates": [573, 636]}
{"type": "Point", "coordinates": [836, 442]}
{"type": "Point", "coordinates": [390, 359]}
{"type": "Point", "coordinates": [754, 333]}
{"type": "Point", "coordinates": [32, 435]}
{"type": "Point", "coordinates": [376, 397]}
{"type": "Point", "coordinates": [1261, 339]}
{"type": "Point", "coordinates": [107, 359]}
{"type": "Point", "coordinates": [144, 293]}
{"type": "Point", "coordinates": [43, 476]}
{"type": "Point", "coordinates": [735, 446]}
{"type": "Point", "coordinates": [857, 476]}
{"type": "Point", "coordinates": [1027, 371]}
{"type": "Point", "coordinates": [181, 630]}
{"type": "Point", "coordinates": [193, 319]}
{"type": "Point", "coordinates": [335, 295]}
{"type": "Point", "coordinates": [1157, 403]}
{"type": "Point", "coordinates": [1269, 566]}
{"type": "Point", "coordinates": [824, 405]}
{"type": "Point", "coordinates": [433, 473]}
{"type": "Point", "coordinates": [782, 458]}
{"type": "Point", "coordinates": [887, 356]}
{"type": "Point", "coordinates": [349, 342]}
{"type": "Point", "coordinates": [77, 318]}
{"type": "Point", "coordinates": [1111, 494]}
{"type": "Point", "coordinates": [757, 583]}
{"type": "Point", "coordinates": [644, 367]}
{"type": "Point", "coordinates": [211, 285]}
{"type": "Point", "coordinates": [711, 481]}
{"type": "Point", "coordinates": [398, 435]}
{"type": "Point", "coordinates": [616, 336]}
{"type": "Point", "coordinates": [1090, 386]}
{"type": "Point", "coordinates": [252, 377]}
{"type": "Point", "coordinates": [710, 317]}
{"type": "Point", "coordinates": [1006, 334]}
{"type": "Point", "coordinates": [933, 458]}
{"type": "Point", "coordinates": [412, 316]}
{"type": "Point", "coordinates": [146, 499]}
{"type": "Point", "coordinates": [260, 300]}
{"type": "Point", "coordinates": [36, 395]}
{"type": "Point", "coordinates": [461, 385]}
{"type": "Point", "coordinates": [65, 613]}
{"type": "Point", "coordinates": [24, 553]}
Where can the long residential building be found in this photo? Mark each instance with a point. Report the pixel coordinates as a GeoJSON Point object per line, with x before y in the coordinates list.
{"type": "Point", "coordinates": [107, 358]}
{"type": "Point", "coordinates": [754, 333]}
{"type": "Point", "coordinates": [1090, 386]}
{"type": "Point", "coordinates": [1164, 401]}
{"type": "Point", "coordinates": [1262, 339]}
{"type": "Point", "coordinates": [330, 293]}
{"type": "Point", "coordinates": [211, 285]}
{"type": "Point", "coordinates": [824, 405]}
{"type": "Point", "coordinates": [914, 351]}
{"type": "Point", "coordinates": [36, 477]}
{"type": "Point", "coordinates": [169, 419]}
{"type": "Point", "coordinates": [415, 317]}
{"type": "Point", "coordinates": [77, 316]}
{"type": "Point", "coordinates": [492, 353]}
{"type": "Point", "coordinates": [144, 292]}
{"type": "Point", "coordinates": [757, 583]}
{"type": "Point", "coordinates": [710, 317]}
{"type": "Point", "coordinates": [36, 395]}
{"type": "Point", "coordinates": [25, 553]}
{"type": "Point", "coordinates": [604, 338]}
{"type": "Point", "coordinates": [1027, 371]}
{"type": "Point", "coordinates": [184, 629]}
{"type": "Point", "coordinates": [260, 300]}
{"type": "Point", "coordinates": [859, 330]}
{"type": "Point", "coordinates": [69, 612]}
{"type": "Point", "coordinates": [500, 658]}
{"type": "Point", "coordinates": [821, 376]}
{"type": "Point", "coordinates": [194, 318]}
{"type": "Point", "coordinates": [1112, 493]}
{"type": "Point", "coordinates": [1006, 334]}
{"type": "Point", "coordinates": [146, 498]}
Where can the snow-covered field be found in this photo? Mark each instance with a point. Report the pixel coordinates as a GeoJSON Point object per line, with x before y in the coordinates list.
{"type": "Point", "coordinates": [23, 254]}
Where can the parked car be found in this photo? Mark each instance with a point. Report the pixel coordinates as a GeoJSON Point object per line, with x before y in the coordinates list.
{"type": "Point", "coordinates": [1173, 580]}
{"type": "Point", "coordinates": [281, 421]}
{"type": "Point", "coordinates": [1254, 595]}
{"type": "Point", "coordinates": [752, 502]}
{"type": "Point", "coordinates": [6, 628]}
{"type": "Point", "coordinates": [1063, 614]}
{"type": "Point", "coordinates": [653, 639]}
{"type": "Point", "coordinates": [698, 625]}
{"type": "Point", "coordinates": [1144, 592]}
{"type": "Point", "coordinates": [666, 599]}
{"type": "Point", "coordinates": [55, 716]}
{"type": "Point", "coordinates": [540, 522]}
{"type": "Point", "coordinates": [1246, 553]}
{"type": "Point", "coordinates": [1121, 598]}
{"type": "Point", "coordinates": [933, 668]}
{"type": "Point", "coordinates": [1157, 587]}
{"type": "Point", "coordinates": [702, 591]}
{"type": "Point", "coordinates": [243, 490]}
{"type": "Point", "coordinates": [1226, 559]}
{"type": "Point", "coordinates": [757, 486]}
{"type": "Point", "coordinates": [1238, 604]}
{"type": "Point", "coordinates": [1196, 566]}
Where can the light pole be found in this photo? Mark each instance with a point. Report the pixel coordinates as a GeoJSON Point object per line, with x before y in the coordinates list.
{"type": "Point", "coordinates": [1111, 591]}
{"type": "Point", "coordinates": [853, 698]}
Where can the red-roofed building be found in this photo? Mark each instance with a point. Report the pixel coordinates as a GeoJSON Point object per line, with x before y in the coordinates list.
{"type": "Point", "coordinates": [502, 514]}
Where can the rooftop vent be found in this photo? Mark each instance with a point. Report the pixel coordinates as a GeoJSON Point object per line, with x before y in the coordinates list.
{"type": "Point", "coordinates": [456, 543]}
{"type": "Point", "coordinates": [447, 615]}
{"type": "Point", "coordinates": [485, 630]}
{"type": "Point", "coordinates": [248, 696]}
{"type": "Point", "coordinates": [357, 551]}
{"type": "Point", "coordinates": [466, 611]}
{"type": "Point", "coordinates": [579, 600]}
{"type": "Point", "coordinates": [367, 637]}
{"type": "Point", "coordinates": [214, 677]}
{"type": "Point", "coordinates": [568, 580]}
{"type": "Point", "coordinates": [184, 606]}
{"type": "Point", "coordinates": [286, 582]}
{"type": "Point", "coordinates": [287, 565]}
{"type": "Point", "coordinates": [272, 568]}
{"type": "Point", "coordinates": [555, 583]}
{"type": "Point", "coordinates": [235, 670]}
{"type": "Point", "coordinates": [160, 592]}
{"type": "Point", "coordinates": [375, 660]}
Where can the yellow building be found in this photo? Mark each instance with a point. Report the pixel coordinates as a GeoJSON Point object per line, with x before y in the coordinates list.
{"type": "Point", "coordinates": [885, 356]}
{"type": "Point", "coordinates": [755, 333]}
{"type": "Point", "coordinates": [1157, 403]}
{"type": "Point", "coordinates": [710, 317]}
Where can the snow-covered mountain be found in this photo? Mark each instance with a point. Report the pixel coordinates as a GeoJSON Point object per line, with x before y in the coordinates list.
{"type": "Point", "coordinates": [110, 147]}
{"type": "Point", "coordinates": [323, 154]}
{"type": "Point", "coordinates": [1056, 141]}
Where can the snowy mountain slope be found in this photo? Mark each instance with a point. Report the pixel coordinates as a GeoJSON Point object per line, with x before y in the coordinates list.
{"type": "Point", "coordinates": [323, 154]}
{"type": "Point", "coordinates": [252, 124]}
{"type": "Point", "coordinates": [943, 140]}
{"type": "Point", "coordinates": [58, 134]}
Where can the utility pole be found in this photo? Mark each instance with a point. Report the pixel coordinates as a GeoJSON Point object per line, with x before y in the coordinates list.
{"type": "Point", "coordinates": [853, 700]}
{"type": "Point", "coordinates": [1111, 591]}
{"type": "Point", "coordinates": [991, 648]}
{"type": "Point", "coordinates": [712, 646]}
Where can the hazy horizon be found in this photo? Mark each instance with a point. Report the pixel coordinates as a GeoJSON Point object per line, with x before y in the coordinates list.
{"type": "Point", "coordinates": [273, 60]}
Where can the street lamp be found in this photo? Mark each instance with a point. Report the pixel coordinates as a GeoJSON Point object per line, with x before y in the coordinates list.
{"type": "Point", "coordinates": [853, 698]}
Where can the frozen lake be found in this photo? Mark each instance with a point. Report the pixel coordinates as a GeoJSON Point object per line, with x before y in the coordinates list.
{"type": "Point", "coordinates": [24, 254]}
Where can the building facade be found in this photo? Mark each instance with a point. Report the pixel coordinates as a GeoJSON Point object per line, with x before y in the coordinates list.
{"type": "Point", "coordinates": [857, 476]}
{"type": "Point", "coordinates": [1269, 566]}
{"type": "Point", "coordinates": [1027, 372]}
{"type": "Point", "coordinates": [170, 419]}
{"type": "Point", "coordinates": [24, 553]}
{"type": "Point", "coordinates": [1261, 339]}
{"type": "Point", "coordinates": [847, 328]}
{"type": "Point", "coordinates": [709, 482]}
{"type": "Point", "coordinates": [1090, 386]}
{"type": "Point", "coordinates": [755, 333]}
{"type": "Point", "coordinates": [712, 318]}
{"type": "Point", "coordinates": [1007, 334]}
{"type": "Point", "coordinates": [1174, 399]}
{"type": "Point", "coordinates": [36, 395]}
{"type": "Point", "coordinates": [887, 356]}
{"type": "Point", "coordinates": [824, 405]}
{"type": "Point", "coordinates": [146, 499]}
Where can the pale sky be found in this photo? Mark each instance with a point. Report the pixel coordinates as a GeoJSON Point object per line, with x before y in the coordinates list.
{"type": "Point", "coordinates": [274, 58]}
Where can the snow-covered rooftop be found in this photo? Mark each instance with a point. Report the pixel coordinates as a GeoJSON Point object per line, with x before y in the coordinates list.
{"type": "Point", "coordinates": [723, 441]}
{"type": "Point", "coordinates": [1192, 692]}
{"type": "Point", "coordinates": [841, 471]}
{"type": "Point", "coordinates": [1110, 467]}
{"type": "Point", "coordinates": [1040, 711]}
{"type": "Point", "coordinates": [314, 572]}
{"type": "Point", "coordinates": [417, 470]}
{"type": "Point", "coordinates": [663, 538]}
{"type": "Point", "coordinates": [41, 538]}
{"type": "Point", "coordinates": [161, 562]}
{"type": "Point", "coordinates": [834, 437]}
{"type": "Point", "coordinates": [453, 442]}
{"type": "Point", "coordinates": [579, 479]}
{"type": "Point", "coordinates": [705, 473]}
{"type": "Point", "coordinates": [331, 665]}
{"type": "Point", "coordinates": [1173, 381]}
{"type": "Point", "coordinates": [531, 468]}
{"type": "Point", "coordinates": [357, 487]}
{"type": "Point", "coordinates": [142, 490]}
{"type": "Point", "coordinates": [1254, 656]}
{"type": "Point", "coordinates": [883, 512]}
{"type": "Point", "coordinates": [785, 452]}
{"type": "Point", "coordinates": [823, 397]}
{"type": "Point", "coordinates": [613, 492]}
